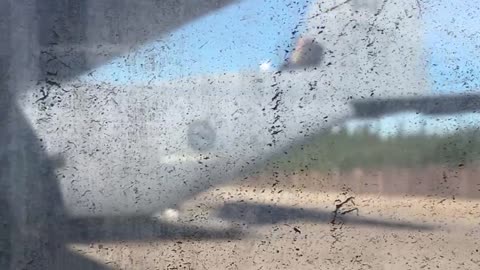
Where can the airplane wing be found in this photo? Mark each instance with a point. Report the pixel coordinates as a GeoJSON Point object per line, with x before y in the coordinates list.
{"type": "Point", "coordinates": [69, 38]}
{"type": "Point", "coordinates": [428, 105]}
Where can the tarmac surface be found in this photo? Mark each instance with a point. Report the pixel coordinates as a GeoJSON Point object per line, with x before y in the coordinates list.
{"type": "Point", "coordinates": [320, 221]}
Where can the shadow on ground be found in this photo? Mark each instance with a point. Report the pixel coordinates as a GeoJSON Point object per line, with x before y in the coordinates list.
{"type": "Point", "coordinates": [264, 214]}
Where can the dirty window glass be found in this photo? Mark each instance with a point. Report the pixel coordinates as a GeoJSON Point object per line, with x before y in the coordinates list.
{"type": "Point", "coordinates": [239, 134]}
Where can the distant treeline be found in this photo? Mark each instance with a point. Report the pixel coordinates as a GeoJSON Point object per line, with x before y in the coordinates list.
{"type": "Point", "coordinates": [363, 149]}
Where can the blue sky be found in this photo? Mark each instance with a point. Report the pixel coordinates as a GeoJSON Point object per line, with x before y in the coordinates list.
{"type": "Point", "coordinates": [238, 37]}
{"type": "Point", "coordinates": [249, 32]}
{"type": "Point", "coordinates": [452, 43]}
